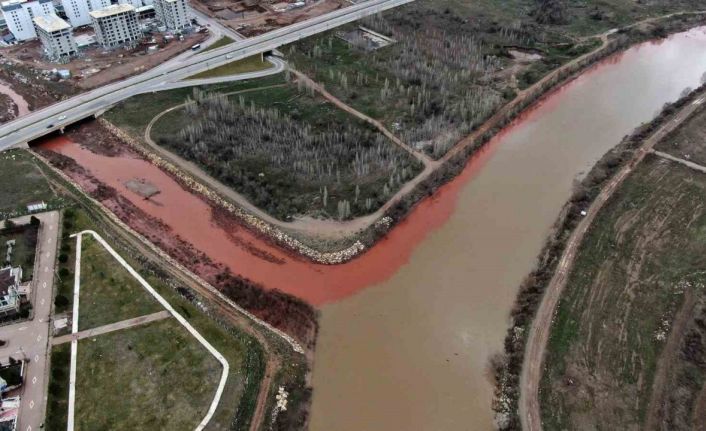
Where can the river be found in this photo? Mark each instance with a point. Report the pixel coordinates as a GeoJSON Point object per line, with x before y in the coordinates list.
{"type": "Point", "coordinates": [407, 329]}
{"type": "Point", "coordinates": [411, 353]}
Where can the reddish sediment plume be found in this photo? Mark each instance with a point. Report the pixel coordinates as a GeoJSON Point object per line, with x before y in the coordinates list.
{"type": "Point", "coordinates": [215, 233]}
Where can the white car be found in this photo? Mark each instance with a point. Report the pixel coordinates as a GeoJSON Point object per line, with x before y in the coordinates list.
{"type": "Point", "coordinates": [61, 117]}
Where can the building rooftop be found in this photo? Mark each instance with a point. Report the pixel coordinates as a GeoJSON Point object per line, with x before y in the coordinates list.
{"type": "Point", "coordinates": [50, 24]}
{"type": "Point", "coordinates": [112, 10]}
{"type": "Point", "coordinates": [16, 4]}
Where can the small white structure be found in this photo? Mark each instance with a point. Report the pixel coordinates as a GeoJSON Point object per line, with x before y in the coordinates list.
{"type": "Point", "coordinates": [116, 25]}
{"type": "Point", "coordinates": [55, 34]}
{"type": "Point", "coordinates": [19, 14]}
{"type": "Point", "coordinates": [36, 206]}
{"type": "Point", "coordinates": [78, 10]}
{"type": "Point", "coordinates": [173, 14]}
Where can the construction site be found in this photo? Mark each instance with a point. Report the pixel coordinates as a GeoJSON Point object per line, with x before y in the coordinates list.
{"type": "Point", "coordinates": [254, 17]}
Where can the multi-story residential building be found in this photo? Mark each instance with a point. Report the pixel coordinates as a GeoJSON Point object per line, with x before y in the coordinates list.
{"type": "Point", "coordinates": [135, 3]}
{"type": "Point", "coordinates": [116, 25]}
{"type": "Point", "coordinates": [55, 34]}
{"type": "Point", "coordinates": [20, 13]}
{"type": "Point", "coordinates": [172, 14]}
{"type": "Point", "coordinates": [78, 11]}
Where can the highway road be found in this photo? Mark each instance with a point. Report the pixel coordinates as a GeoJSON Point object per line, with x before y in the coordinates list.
{"type": "Point", "coordinates": [58, 115]}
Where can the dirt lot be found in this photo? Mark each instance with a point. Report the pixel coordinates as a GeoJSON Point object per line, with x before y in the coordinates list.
{"type": "Point", "coordinates": [29, 75]}
{"type": "Point", "coordinates": [96, 66]}
{"type": "Point", "coordinates": [253, 17]}
{"type": "Point", "coordinates": [625, 351]}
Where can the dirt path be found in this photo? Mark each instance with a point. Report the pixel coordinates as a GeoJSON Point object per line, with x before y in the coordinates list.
{"type": "Point", "coordinates": [112, 327]}
{"type": "Point", "coordinates": [529, 408]}
{"type": "Point", "coordinates": [670, 352]}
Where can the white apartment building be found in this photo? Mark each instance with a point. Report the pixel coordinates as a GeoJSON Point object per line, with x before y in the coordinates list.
{"type": "Point", "coordinates": [55, 34]}
{"type": "Point", "coordinates": [172, 14]}
{"type": "Point", "coordinates": [116, 25]}
{"type": "Point", "coordinates": [20, 13]}
{"type": "Point", "coordinates": [77, 11]}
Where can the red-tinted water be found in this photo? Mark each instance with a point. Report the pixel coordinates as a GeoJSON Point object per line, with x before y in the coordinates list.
{"type": "Point", "coordinates": [191, 218]}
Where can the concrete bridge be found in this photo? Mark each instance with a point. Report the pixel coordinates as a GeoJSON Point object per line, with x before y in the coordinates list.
{"type": "Point", "coordinates": [93, 103]}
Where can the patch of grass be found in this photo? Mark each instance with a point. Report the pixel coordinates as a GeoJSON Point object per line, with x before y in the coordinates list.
{"type": "Point", "coordinates": [251, 64]}
{"type": "Point", "coordinates": [687, 142]}
{"type": "Point", "coordinates": [332, 157]}
{"type": "Point", "coordinates": [109, 293]}
{"type": "Point", "coordinates": [149, 377]}
{"type": "Point", "coordinates": [220, 43]}
{"type": "Point", "coordinates": [244, 354]}
{"type": "Point", "coordinates": [58, 396]}
{"type": "Point", "coordinates": [135, 113]}
{"type": "Point", "coordinates": [642, 253]}
{"type": "Point", "coordinates": [23, 183]}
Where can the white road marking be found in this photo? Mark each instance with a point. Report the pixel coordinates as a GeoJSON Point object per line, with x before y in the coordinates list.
{"type": "Point", "coordinates": [42, 302]}
{"type": "Point", "coordinates": [29, 428]}
{"type": "Point", "coordinates": [31, 404]}
{"type": "Point", "coordinates": [46, 269]}
{"type": "Point", "coordinates": [34, 379]}
{"type": "Point", "coordinates": [44, 284]}
{"type": "Point", "coordinates": [22, 328]}
{"type": "Point", "coordinates": [39, 337]}
{"type": "Point", "coordinates": [36, 359]}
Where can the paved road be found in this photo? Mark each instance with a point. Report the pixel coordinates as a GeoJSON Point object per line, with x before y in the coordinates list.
{"type": "Point", "coordinates": [529, 409]}
{"type": "Point", "coordinates": [112, 327]}
{"type": "Point", "coordinates": [30, 339]}
{"type": "Point", "coordinates": [43, 121]}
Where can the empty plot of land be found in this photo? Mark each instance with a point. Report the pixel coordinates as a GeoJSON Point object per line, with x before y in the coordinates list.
{"type": "Point", "coordinates": [108, 292]}
{"type": "Point", "coordinates": [618, 334]}
{"type": "Point", "coordinates": [149, 377]}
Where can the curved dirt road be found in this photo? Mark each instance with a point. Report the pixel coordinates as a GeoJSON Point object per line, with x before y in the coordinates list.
{"type": "Point", "coordinates": [529, 409]}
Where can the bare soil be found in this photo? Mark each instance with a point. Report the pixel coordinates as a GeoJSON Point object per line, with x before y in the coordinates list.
{"type": "Point", "coordinates": [254, 17]}
{"type": "Point", "coordinates": [8, 109]}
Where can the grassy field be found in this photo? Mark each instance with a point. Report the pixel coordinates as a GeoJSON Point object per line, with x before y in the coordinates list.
{"type": "Point", "coordinates": [25, 237]}
{"type": "Point", "coordinates": [244, 354]}
{"type": "Point", "coordinates": [58, 396]}
{"type": "Point", "coordinates": [619, 333]}
{"type": "Point", "coordinates": [23, 183]}
{"type": "Point", "coordinates": [220, 43]}
{"type": "Point", "coordinates": [440, 80]}
{"type": "Point", "coordinates": [150, 377]}
{"type": "Point", "coordinates": [135, 113]}
{"type": "Point", "coordinates": [335, 165]}
{"type": "Point", "coordinates": [109, 293]}
{"type": "Point", "coordinates": [251, 64]}
{"type": "Point", "coordinates": [688, 141]}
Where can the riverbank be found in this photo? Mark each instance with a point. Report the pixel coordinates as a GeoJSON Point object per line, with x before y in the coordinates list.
{"type": "Point", "coordinates": [449, 302]}
{"type": "Point", "coordinates": [282, 362]}
{"type": "Point", "coordinates": [602, 177]}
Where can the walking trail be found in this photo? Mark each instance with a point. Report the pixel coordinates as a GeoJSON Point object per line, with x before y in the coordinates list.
{"type": "Point", "coordinates": [74, 342]}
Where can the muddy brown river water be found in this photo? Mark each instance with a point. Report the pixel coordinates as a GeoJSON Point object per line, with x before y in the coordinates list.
{"type": "Point", "coordinates": [411, 353]}
{"type": "Point", "coordinates": [407, 329]}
